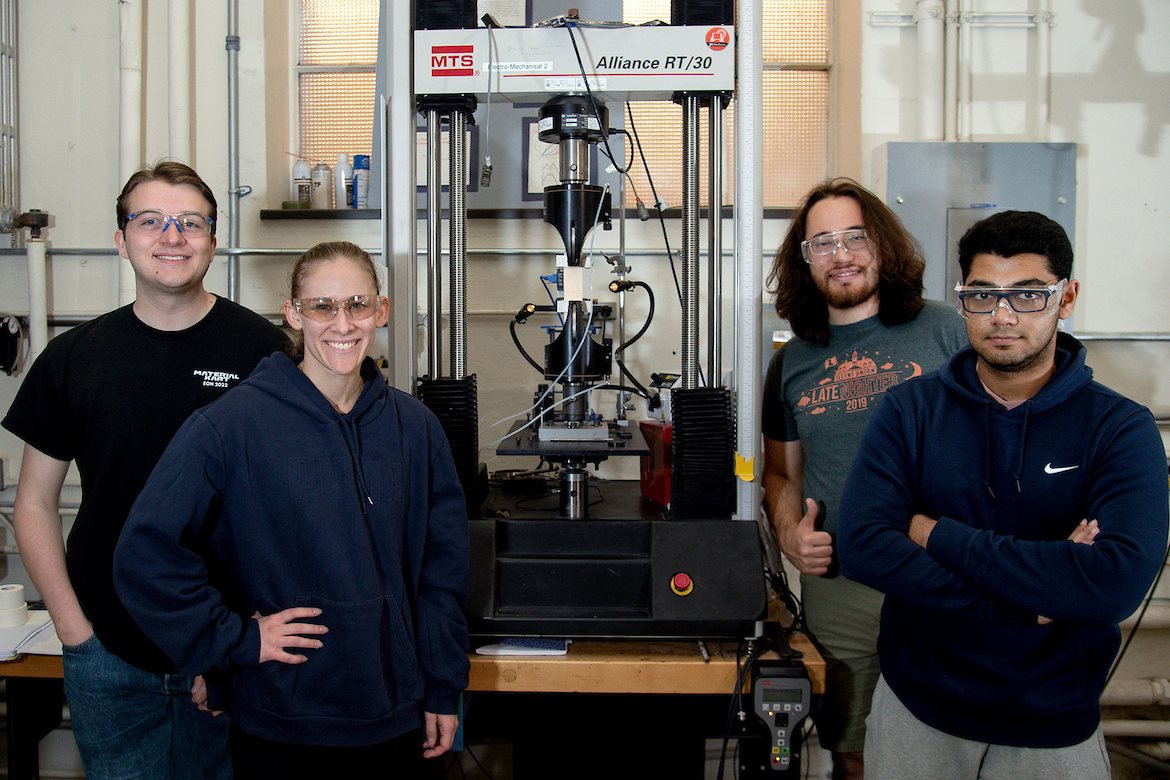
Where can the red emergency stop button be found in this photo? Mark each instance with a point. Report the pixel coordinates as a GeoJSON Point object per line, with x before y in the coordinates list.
{"type": "Point", "coordinates": [682, 584]}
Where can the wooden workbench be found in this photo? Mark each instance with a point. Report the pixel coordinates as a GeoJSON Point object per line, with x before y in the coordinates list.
{"type": "Point", "coordinates": [626, 666]}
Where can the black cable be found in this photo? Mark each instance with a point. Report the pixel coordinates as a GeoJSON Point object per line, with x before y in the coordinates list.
{"type": "Point", "coordinates": [523, 352]}
{"type": "Point", "coordinates": [661, 218]}
{"type": "Point", "coordinates": [617, 355]}
{"type": "Point", "coordinates": [657, 201]}
{"type": "Point", "coordinates": [592, 101]}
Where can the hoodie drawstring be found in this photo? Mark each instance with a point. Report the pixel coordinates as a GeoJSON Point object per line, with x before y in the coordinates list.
{"type": "Point", "coordinates": [352, 436]}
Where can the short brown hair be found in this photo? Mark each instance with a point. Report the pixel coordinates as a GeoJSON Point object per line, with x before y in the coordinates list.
{"type": "Point", "coordinates": [171, 172]}
{"type": "Point", "coordinates": [900, 264]}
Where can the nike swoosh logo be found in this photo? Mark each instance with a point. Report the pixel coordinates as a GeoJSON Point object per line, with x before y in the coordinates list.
{"type": "Point", "coordinates": [1050, 469]}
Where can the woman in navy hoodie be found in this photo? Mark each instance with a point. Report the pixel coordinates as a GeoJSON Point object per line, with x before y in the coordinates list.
{"type": "Point", "coordinates": [303, 544]}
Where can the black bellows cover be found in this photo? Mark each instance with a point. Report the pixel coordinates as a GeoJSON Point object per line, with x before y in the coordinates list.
{"type": "Point", "coordinates": [683, 12]}
{"type": "Point", "coordinates": [456, 403]}
{"type": "Point", "coordinates": [444, 14]}
{"type": "Point", "coordinates": [702, 470]}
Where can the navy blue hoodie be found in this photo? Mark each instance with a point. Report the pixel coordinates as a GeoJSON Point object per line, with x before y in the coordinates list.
{"type": "Point", "coordinates": [268, 499]}
{"type": "Point", "coordinates": [960, 641]}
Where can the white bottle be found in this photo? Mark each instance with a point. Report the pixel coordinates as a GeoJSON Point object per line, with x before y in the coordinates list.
{"type": "Point", "coordinates": [361, 181]}
{"type": "Point", "coordinates": [302, 182]}
{"type": "Point", "coordinates": [322, 187]}
{"type": "Point", "coordinates": [343, 183]}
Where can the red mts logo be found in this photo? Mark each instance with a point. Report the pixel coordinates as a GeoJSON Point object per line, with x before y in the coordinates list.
{"type": "Point", "coordinates": [718, 38]}
{"type": "Point", "coordinates": [453, 60]}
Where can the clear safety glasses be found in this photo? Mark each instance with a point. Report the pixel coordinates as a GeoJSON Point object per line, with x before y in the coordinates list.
{"type": "Point", "coordinates": [826, 245]}
{"type": "Point", "coordinates": [357, 307]}
{"type": "Point", "coordinates": [1021, 300]}
{"type": "Point", "coordinates": [155, 223]}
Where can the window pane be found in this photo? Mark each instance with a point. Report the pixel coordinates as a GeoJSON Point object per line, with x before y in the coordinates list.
{"type": "Point", "coordinates": [338, 32]}
{"type": "Point", "coordinates": [796, 110]}
{"type": "Point", "coordinates": [796, 31]}
{"type": "Point", "coordinates": [796, 135]}
{"type": "Point", "coordinates": [337, 115]}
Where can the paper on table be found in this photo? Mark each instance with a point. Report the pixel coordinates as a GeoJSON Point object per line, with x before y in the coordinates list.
{"type": "Point", "coordinates": [526, 646]}
{"type": "Point", "coordinates": [35, 636]}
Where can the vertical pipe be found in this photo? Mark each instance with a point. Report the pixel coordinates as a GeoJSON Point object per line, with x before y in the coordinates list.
{"type": "Point", "coordinates": [434, 244]}
{"type": "Point", "coordinates": [965, 68]}
{"type": "Point", "coordinates": [951, 66]}
{"type": "Point", "coordinates": [38, 306]}
{"type": "Point", "coordinates": [399, 189]}
{"type": "Point", "coordinates": [621, 299]}
{"type": "Point", "coordinates": [457, 216]}
{"type": "Point", "coordinates": [233, 58]}
{"type": "Point", "coordinates": [749, 182]}
{"type": "Point", "coordinates": [1043, 72]}
{"type": "Point", "coordinates": [179, 78]}
{"type": "Point", "coordinates": [930, 28]}
{"type": "Point", "coordinates": [715, 241]}
{"type": "Point", "coordinates": [690, 243]}
{"type": "Point", "coordinates": [9, 142]}
{"type": "Point", "coordinates": [130, 124]}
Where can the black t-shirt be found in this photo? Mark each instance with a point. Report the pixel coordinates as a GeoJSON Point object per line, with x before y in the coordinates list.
{"type": "Point", "coordinates": [110, 394]}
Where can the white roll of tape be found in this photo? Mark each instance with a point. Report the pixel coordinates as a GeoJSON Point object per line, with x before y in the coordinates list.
{"type": "Point", "coordinates": [17, 616]}
{"type": "Point", "coordinates": [11, 596]}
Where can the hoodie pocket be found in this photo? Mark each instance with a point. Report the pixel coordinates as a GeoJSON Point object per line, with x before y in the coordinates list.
{"type": "Point", "coordinates": [364, 670]}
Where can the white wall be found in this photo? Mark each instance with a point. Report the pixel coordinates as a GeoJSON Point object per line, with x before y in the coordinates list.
{"type": "Point", "coordinates": [1111, 75]}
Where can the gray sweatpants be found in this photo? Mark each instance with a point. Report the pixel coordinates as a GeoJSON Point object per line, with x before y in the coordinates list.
{"type": "Point", "coordinates": [898, 746]}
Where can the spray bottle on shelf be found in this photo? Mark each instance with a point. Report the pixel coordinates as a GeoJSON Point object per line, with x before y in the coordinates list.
{"type": "Point", "coordinates": [322, 187]}
{"type": "Point", "coordinates": [343, 183]}
{"type": "Point", "coordinates": [302, 182]}
{"type": "Point", "coordinates": [361, 181]}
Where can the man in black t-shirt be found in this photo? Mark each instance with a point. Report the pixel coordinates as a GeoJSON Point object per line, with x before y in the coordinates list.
{"type": "Point", "coordinates": [109, 395]}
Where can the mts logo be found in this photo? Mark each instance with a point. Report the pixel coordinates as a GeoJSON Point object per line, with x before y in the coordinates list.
{"type": "Point", "coordinates": [453, 60]}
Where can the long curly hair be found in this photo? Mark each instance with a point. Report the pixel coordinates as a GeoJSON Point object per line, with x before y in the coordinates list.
{"type": "Point", "coordinates": [900, 264]}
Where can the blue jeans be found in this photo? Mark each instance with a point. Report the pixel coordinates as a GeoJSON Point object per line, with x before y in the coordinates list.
{"type": "Point", "coordinates": [134, 724]}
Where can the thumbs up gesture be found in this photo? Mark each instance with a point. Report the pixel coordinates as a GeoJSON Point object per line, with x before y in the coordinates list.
{"type": "Point", "coordinates": [810, 550]}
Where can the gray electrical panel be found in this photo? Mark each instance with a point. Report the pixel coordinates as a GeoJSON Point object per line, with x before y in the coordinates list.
{"type": "Point", "coordinates": [939, 189]}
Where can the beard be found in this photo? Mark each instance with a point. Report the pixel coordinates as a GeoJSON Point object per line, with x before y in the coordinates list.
{"type": "Point", "coordinates": [855, 295]}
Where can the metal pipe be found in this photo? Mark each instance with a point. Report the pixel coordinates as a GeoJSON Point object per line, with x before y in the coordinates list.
{"type": "Point", "coordinates": [715, 241]}
{"type": "Point", "coordinates": [1150, 729]}
{"type": "Point", "coordinates": [457, 217]}
{"type": "Point", "coordinates": [690, 243]}
{"type": "Point", "coordinates": [9, 131]}
{"type": "Point", "coordinates": [399, 200]}
{"type": "Point", "coordinates": [964, 77]}
{"type": "Point", "coordinates": [434, 244]}
{"type": "Point", "coordinates": [232, 44]}
{"type": "Point", "coordinates": [749, 184]}
{"type": "Point", "coordinates": [130, 105]}
{"type": "Point", "coordinates": [179, 78]}
{"type": "Point", "coordinates": [951, 67]}
{"type": "Point", "coordinates": [929, 22]}
{"type": "Point", "coordinates": [38, 299]}
{"type": "Point", "coordinates": [1147, 692]}
{"type": "Point", "coordinates": [1043, 72]}
{"type": "Point", "coordinates": [622, 396]}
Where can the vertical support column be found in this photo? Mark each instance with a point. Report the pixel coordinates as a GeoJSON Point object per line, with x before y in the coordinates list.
{"type": "Point", "coordinates": [434, 244]}
{"type": "Point", "coordinates": [749, 125]}
{"type": "Point", "coordinates": [233, 56]}
{"type": "Point", "coordinates": [690, 244]}
{"type": "Point", "coordinates": [715, 241]}
{"type": "Point", "coordinates": [457, 216]}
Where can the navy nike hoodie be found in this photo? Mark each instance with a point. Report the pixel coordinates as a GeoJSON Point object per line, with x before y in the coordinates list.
{"type": "Point", "coordinates": [961, 643]}
{"type": "Point", "coordinates": [269, 499]}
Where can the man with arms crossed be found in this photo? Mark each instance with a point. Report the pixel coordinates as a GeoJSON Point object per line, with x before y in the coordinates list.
{"type": "Point", "coordinates": [848, 278]}
{"type": "Point", "coordinates": [1013, 511]}
{"type": "Point", "coordinates": [110, 394]}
